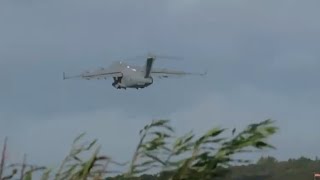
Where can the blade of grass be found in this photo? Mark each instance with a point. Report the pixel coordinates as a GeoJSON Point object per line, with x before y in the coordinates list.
{"type": "Point", "coordinates": [3, 157]}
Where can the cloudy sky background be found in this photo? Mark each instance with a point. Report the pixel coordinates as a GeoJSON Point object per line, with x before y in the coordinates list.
{"type": "Point", "coordinates": [262, 59]}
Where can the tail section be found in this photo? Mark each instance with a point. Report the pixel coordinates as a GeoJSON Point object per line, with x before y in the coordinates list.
{"type": "Point", "coordinates": [148, 66]}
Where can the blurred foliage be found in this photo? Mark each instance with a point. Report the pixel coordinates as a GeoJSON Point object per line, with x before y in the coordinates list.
{"type": "Point", "coordinates": [176, 158]}
{"type": "Point", "coordinates": [267, 168]}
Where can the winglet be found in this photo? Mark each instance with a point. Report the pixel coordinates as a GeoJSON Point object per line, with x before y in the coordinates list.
{"type": "Point", "coordinates": [64, 75]}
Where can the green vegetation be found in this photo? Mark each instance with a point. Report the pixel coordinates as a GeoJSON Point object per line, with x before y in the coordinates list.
{"type": "Point", "coordinates": [267, 168]}
{"type": "Point", "coordinates": [187, 157]}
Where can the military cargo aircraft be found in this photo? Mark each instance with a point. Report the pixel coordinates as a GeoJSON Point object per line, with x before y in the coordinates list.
{"type": "Point", "coordinates": [131, 76]}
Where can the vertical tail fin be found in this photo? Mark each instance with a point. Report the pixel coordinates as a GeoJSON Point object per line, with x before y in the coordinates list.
{"type": "Point", "coordinates": [148, 66]}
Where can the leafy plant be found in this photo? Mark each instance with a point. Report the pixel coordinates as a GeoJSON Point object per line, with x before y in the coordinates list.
{"type": "Point", "coordinates": [73, 167]}
{"type": "Point", "coordinates": [195, 158]}
{"type": "Point", "coordinates": [185, 157]}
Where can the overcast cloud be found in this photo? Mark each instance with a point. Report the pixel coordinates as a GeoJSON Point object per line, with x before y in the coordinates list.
{"type": "Point", "coordinates": [262, 59]}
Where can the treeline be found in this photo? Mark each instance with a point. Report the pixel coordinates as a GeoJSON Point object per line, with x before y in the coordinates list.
{"type": "Point", "coordinates": [270, 169]}
{"type": "Point", "coordinates": [266, 168]}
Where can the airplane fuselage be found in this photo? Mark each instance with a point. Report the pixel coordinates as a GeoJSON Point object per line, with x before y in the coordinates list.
{"type": "Point", "coordinates": [132, 77]}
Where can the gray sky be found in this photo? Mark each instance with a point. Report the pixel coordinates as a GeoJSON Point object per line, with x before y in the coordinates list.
{"type": "Point", "coordinates": [262, 59]}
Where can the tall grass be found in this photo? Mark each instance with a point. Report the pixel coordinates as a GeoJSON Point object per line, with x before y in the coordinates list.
{"type": "Point", "coordinates": [185, 157]}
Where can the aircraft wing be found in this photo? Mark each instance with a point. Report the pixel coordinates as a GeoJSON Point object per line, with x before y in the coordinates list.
{"type": "Point", "coordinates": [97, 74]}
{"type": "Point", "coordinates": [166, 73]}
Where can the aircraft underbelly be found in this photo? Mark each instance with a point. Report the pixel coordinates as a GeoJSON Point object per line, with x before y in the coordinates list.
{"type": "Point", "coordinates": [136, 82]}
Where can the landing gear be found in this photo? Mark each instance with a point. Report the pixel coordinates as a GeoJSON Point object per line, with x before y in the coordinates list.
{"type": "Point", "coordinates": [140, 88]}
{"type": "Point", "coordinates": [119, 87]}
{"type": "Point", "coordinates": [116, 82]}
